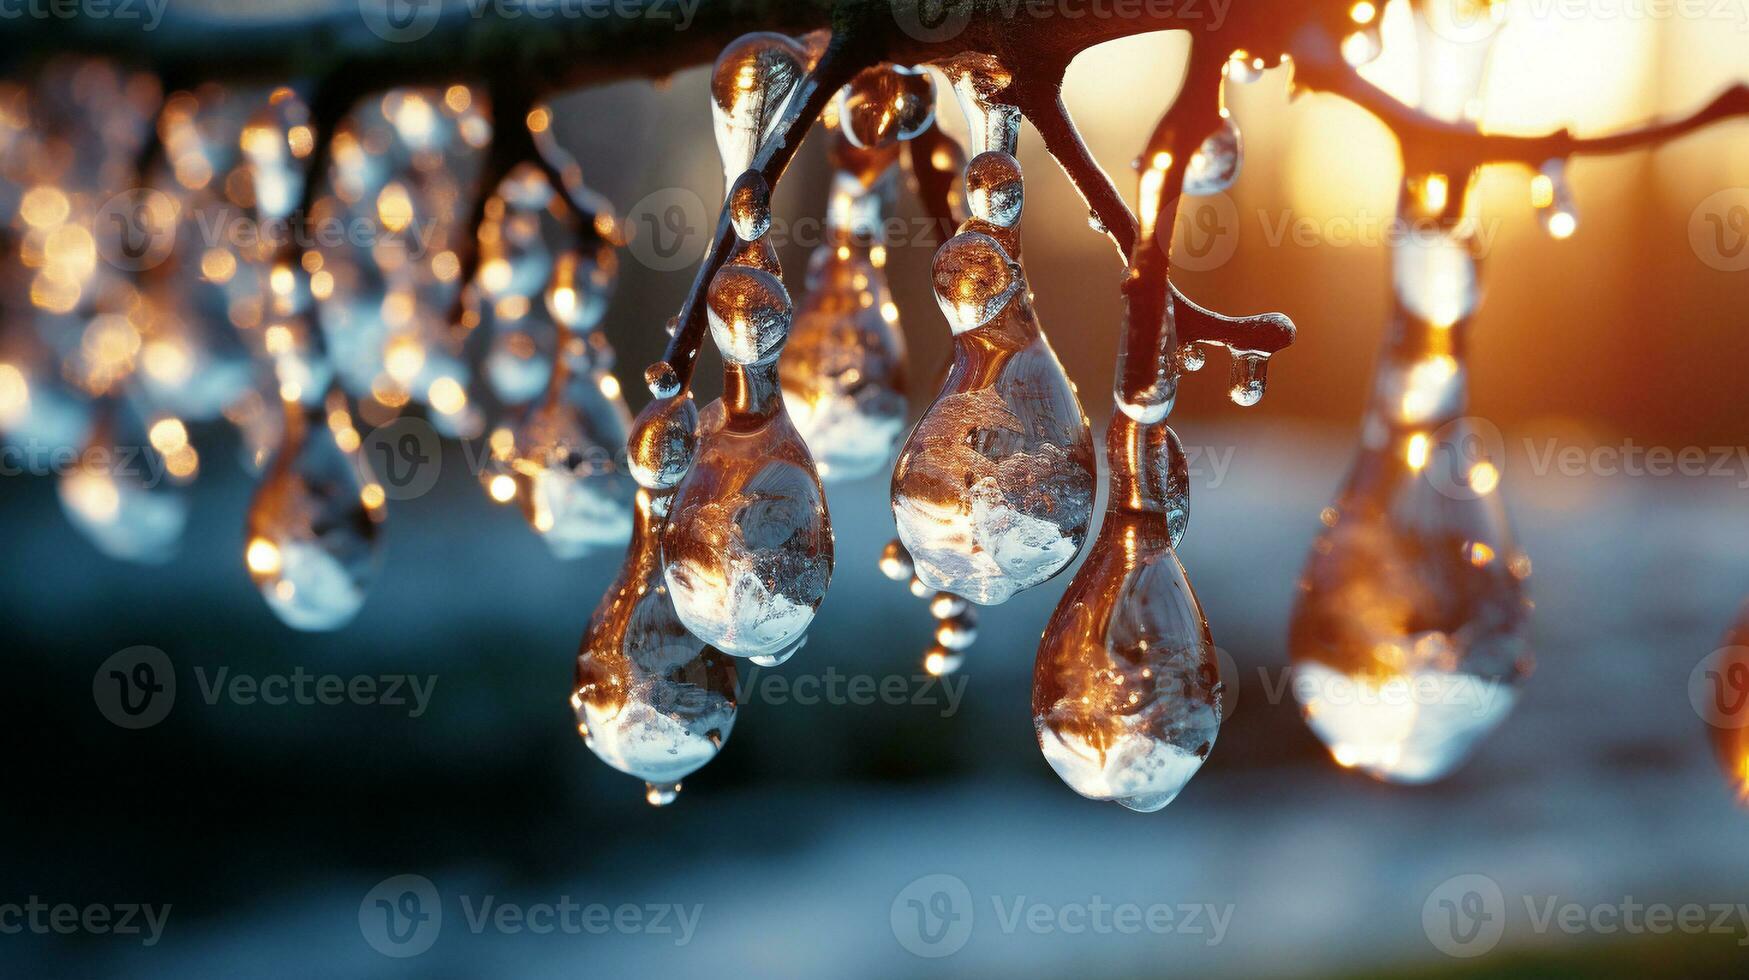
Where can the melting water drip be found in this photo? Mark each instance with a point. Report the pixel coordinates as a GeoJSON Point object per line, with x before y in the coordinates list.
{"type": "Point", "coordinates": [748, 549]}
{"type": "Point", "coordinates": [1409, 634]}
{"type": "Point", "coordinates": [1126, 689]}
{"type": "Point", "coordinates": [843, 371]}
{"type": "Point", "coordinates": [122, 493]}
{"type": "Point", "coordinates": [314, 526]}
{"type": "Point", "coordinates": [1249, 375]}
{"type": "Point", "coordinates": [1242, 68]}
{"type": "Point", "coordinates": [754, 81]}
{"type": "Point", "coordinates": [993, 490]}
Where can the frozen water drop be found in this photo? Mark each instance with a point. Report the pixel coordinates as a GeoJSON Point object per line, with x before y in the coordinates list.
{"type": "Point", "coordinates": [939, 661]}
{"type": "Point", "coordinates": [117, 493]}
{"type": "Point", "coordinates": [651, 699]}
{"type": "Point", "coordinates": [1242, 68]}
{"type": "Point", "coordinates": [1249, 375]}
{"type": "Point", "coordinates": [749, 314]}
{"type": "Point", "coordinates": [994, 189]}
{"type": "Point", "coordinates": [919, 588]}
{"type": "Point", "coordinates": [1191, 357]}
{"type": "Point", "coordinates": [946, 604]}
{"type": "Point", "coordinates": [750, 206]}
{"type": "Point", "coordinates": [313, 528]}
{"type": "Point", "coordinates": [660, 448]}
{"type": "Point", "coordinates": [1553, 200]}
{"type": "Point", "coordinates": [895, 561]}
{"type": "Point", "coordinates": [1215, 165]}
{"type": "Point", "coordinates": [959, 631]}
{"type": "Point", "coordinates": [754, 80]}
{"type": "Point", "coordinates": [886, 103]}
{"type": "Point", "coordinates": [979, 81]}
{"type": "Point", "coordinates": [974, 279]}
{"type": "Point", "coordinates": [661, 794]}
{"type": "Point", "coordinates": [662, 380]}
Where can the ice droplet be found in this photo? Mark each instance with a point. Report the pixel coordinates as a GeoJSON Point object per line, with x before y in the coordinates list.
{"type": "Point", "coordinates": [118, 493]}
{"type": "Point", "coordinates": [652, 700]}
{"type": "Point", "coordinates": [314, 526]}
{"type": "Point", "coordinates": [749, 313]}
{"type": "Point", "coordinates": [974, 279]}
{"type": "Point", "coordinates": [843, 371]}
{"type": "Point", "coordinates": [748, 547]}
{"type": "Point", "coordinates": [1553, 200]}
{"type": "Point", "coordinates": [572, 490]}
{"type": "Point", "coordinates": [978, 80]}
{"type": "Point", "coordinates": [750, 206]}
{"type": "Point", "coordinates": [753, 82]}
{"type": "Point", "coordinates": [895, 561]}
{"type": "Point", "coordinates": [994, 190]}
{"type": "Point", "coordinates": [1127, 692]}
{"type": "Point", "coordinates": [1249, 377]}
{"type": "Point", "coordinates": [662, 380]}
{"type": "Point", "coordinates": [663, 439]}
{"type": "Point", "coordinates": [993, 491]}
{"type": "Point", "coordinates": [884, 104]}
{"type": "Point", "coordinates": [661, 794]}
{"type": "Point", "coordinates": [959, 631]}
{"type": "Point", "coordinates": [1242, 68]}
{"type": "Point", "coordinates": [1215, 165]}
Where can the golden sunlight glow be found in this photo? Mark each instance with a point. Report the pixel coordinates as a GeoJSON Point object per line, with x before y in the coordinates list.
{"type": "Point", "coordinates": [446, 395]}
{"type": "Point", "coordinates": [395, 207]}
{"type": "Point", "coordinates": [14, 396]}
{"type": "Point", "coordinates": [1484, 477]}
{"type": "Point", "coordinates": [262, 556]}
{"type": "Point", "coordinates": [168, 435]}
{"type": "Point", "coordinates": [1363, 12]}
{"type": "Point", "coordinates": [1416, 455]}
{"type": "Point", "coordinates": [502, 488]}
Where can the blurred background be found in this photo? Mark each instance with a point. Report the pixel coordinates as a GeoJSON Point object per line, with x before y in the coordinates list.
{"type": "Point", "coordinates": [266, 828]}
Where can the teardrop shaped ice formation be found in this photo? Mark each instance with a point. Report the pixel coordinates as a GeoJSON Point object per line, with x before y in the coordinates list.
{"type": "Point", "coordinates": [753, 82]}
{"type": "Point", "coordinates": [562, 455]}
{"type": "Point", "coordinates": [120, 493]}
{"type": "Point", "coordinates": [993, 490]}
{"type": "Point", "coordinates": [843, 370]}
{"type": "Point", "coordinates": [314, 526]}
{"type": "Point", "coordinates": [1126, 689]}
{"type": "Point", "coordinates": [748, 548]}
{"type": "Point", "coordinates": [651, 699]}
{"type": "Point", "coordinates": [1215, 165]}
{"type": "Point", "coordinates": [1409, 634]}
